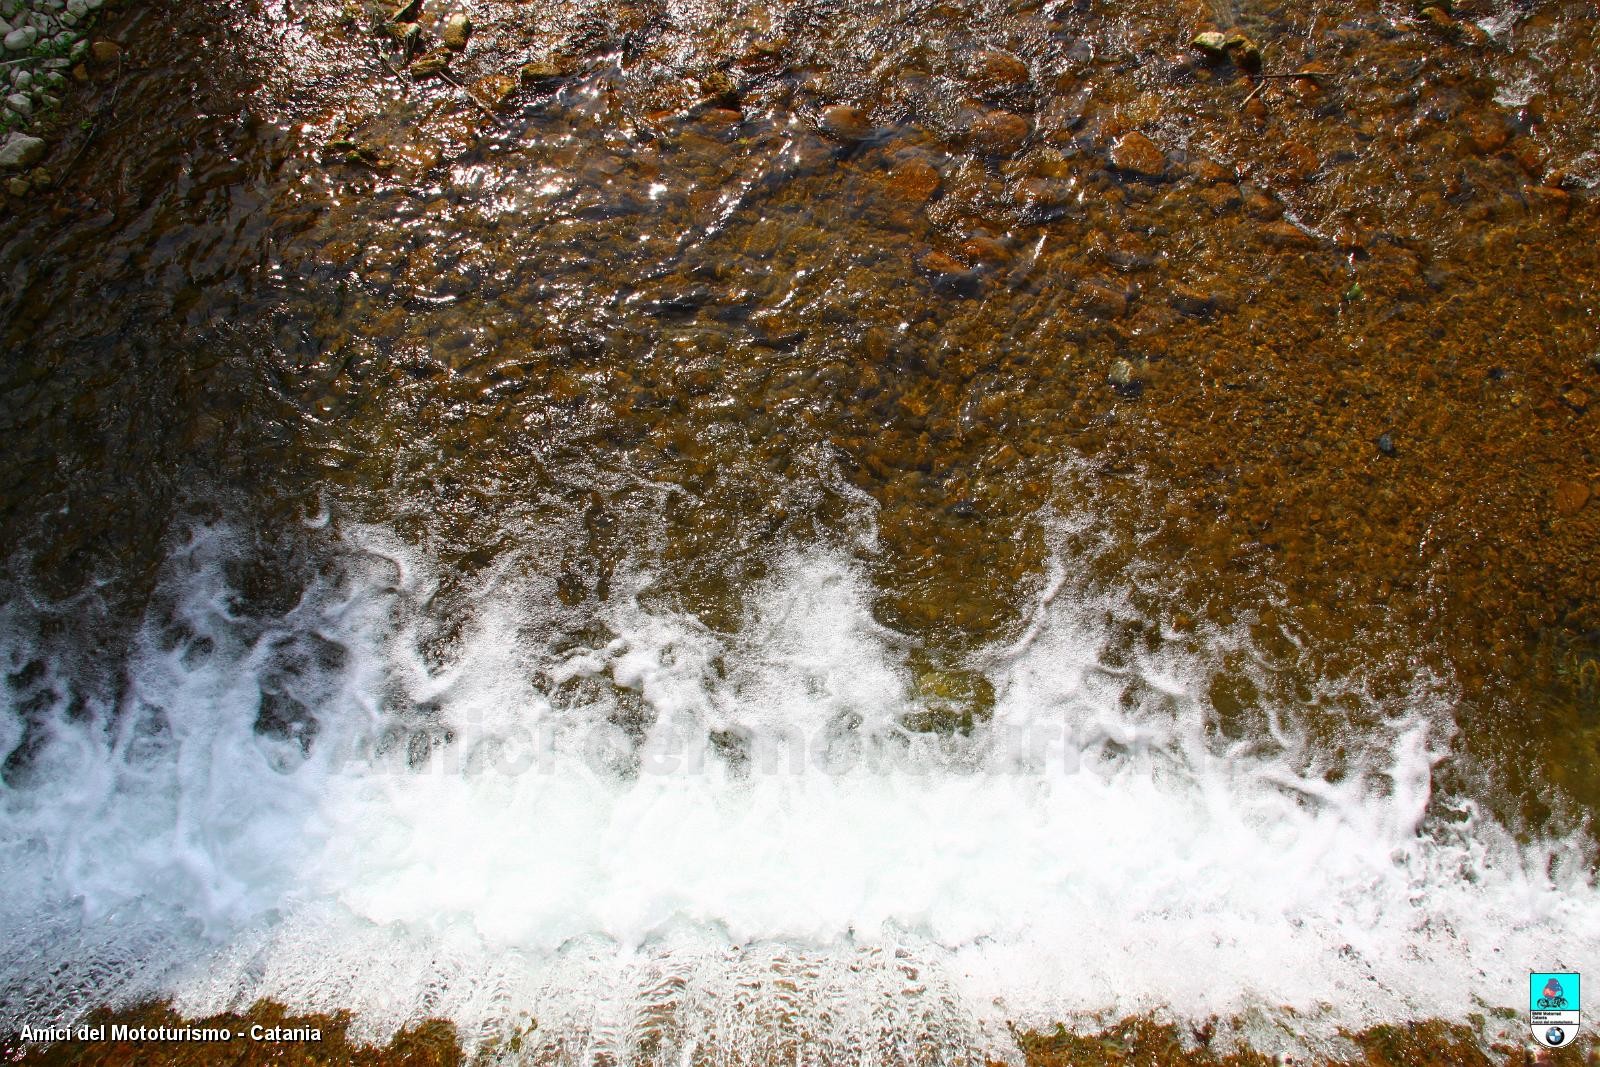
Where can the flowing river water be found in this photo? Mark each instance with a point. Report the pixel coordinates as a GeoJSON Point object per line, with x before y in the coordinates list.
{"type": "Point", "coordinates": [807, 532]}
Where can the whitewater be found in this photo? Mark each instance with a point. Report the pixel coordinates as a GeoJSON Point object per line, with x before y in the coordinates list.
{"type": "Point", "coordinates": [643, 840]}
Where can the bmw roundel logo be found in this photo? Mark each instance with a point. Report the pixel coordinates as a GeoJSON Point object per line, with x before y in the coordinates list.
{"type": "Point", "coordinates": [1554, 1036]}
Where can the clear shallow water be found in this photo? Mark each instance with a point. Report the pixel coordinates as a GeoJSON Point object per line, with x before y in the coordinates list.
{"type": "Point", "coordinates": [653, 836]}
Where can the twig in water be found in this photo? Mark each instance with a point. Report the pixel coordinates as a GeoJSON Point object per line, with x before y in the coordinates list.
{"type": "Point", "coordinates": [1262, 79]}
{"type": "Point", "coordinates": [94, 125]}
{"type": "Point", "coordinates": [479, 104]}
{"type": "Point", "coordinates": [398, 76]}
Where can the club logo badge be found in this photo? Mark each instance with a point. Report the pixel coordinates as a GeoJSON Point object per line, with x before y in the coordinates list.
{"type": "Point", "coordinates": [1553, 1004]}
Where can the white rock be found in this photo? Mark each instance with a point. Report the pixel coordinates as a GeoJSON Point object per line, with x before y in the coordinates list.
{"type": "Point", "coordinates": [77, 8]}
{"type": "Point", "coordinates": [21, 39]}
{"type": "Point", "coordinates": [21, 151]}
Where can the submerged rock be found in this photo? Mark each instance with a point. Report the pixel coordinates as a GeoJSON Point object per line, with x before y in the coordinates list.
{"type": "Point", "coordinates": [1487, 132]}
{"type": "Point", "coordinates": [1286, 236]}
{"type": "Point", "coordinates": [1125, 380]}
{"type": "Point", "coordinates": [999, 133]}
{"type": "Point", "coordinates": [997, 73]}
{"type": "Point", "coordinates": [436, 62]}
{"type": "Point", "coordinates": [984, 249]}
{"type": "Point", "coordinates": [942, 264]}
{"type": "Point", "coordinates": [1570, 497]}
{"type": "Point", "coordinates": [1043, 199]}
{"type": "Point", "coordinates": [1137, 154]}
{"type": "Point", "coordinates": [763, 55]}
{"type": "Point", "coordinates": [719, 89]}
{"type": "Point", "coordinates": [721, 118]}
{"type": "Point", "coordinates": [1193, 302]}
{"type": "Point", "coordinates": [1440, 18]}
{"type": "Point", "coordinates": [951, 701]}
{"type": "Point", "coordinates": [1102, 300]}
{"type": "Point", "coordinates": [914, 181]}
{"type": "Point", "coordinates": [540, 73]}
{"type": "Point", "coordinates": [845, 123]}
{"type": "Point", "coordinates": [496, 89]}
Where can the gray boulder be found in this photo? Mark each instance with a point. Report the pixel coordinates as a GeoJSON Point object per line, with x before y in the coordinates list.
{"type": "Point", "coordinates": [20, 151]}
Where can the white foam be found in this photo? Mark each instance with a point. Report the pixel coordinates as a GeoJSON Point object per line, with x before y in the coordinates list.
{"type": "Point", "coordinates": [673, 838]}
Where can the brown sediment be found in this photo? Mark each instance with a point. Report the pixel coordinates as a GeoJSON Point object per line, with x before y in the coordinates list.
{"type": "Point", "coordinates": [1426, 1043]}
{"type": "Point", "coordinates": [1137, 1041]}
{"type": "Point", "coordinates": [431, 1043]}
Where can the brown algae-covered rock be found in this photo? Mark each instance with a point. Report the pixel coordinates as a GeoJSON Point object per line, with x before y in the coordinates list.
{"type": "Point", "coordinates": [1137, 154]}
{"type": "Point", "coordinates": [845, 123]}
{"type": "Point", "coordinates": [999, 133]}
